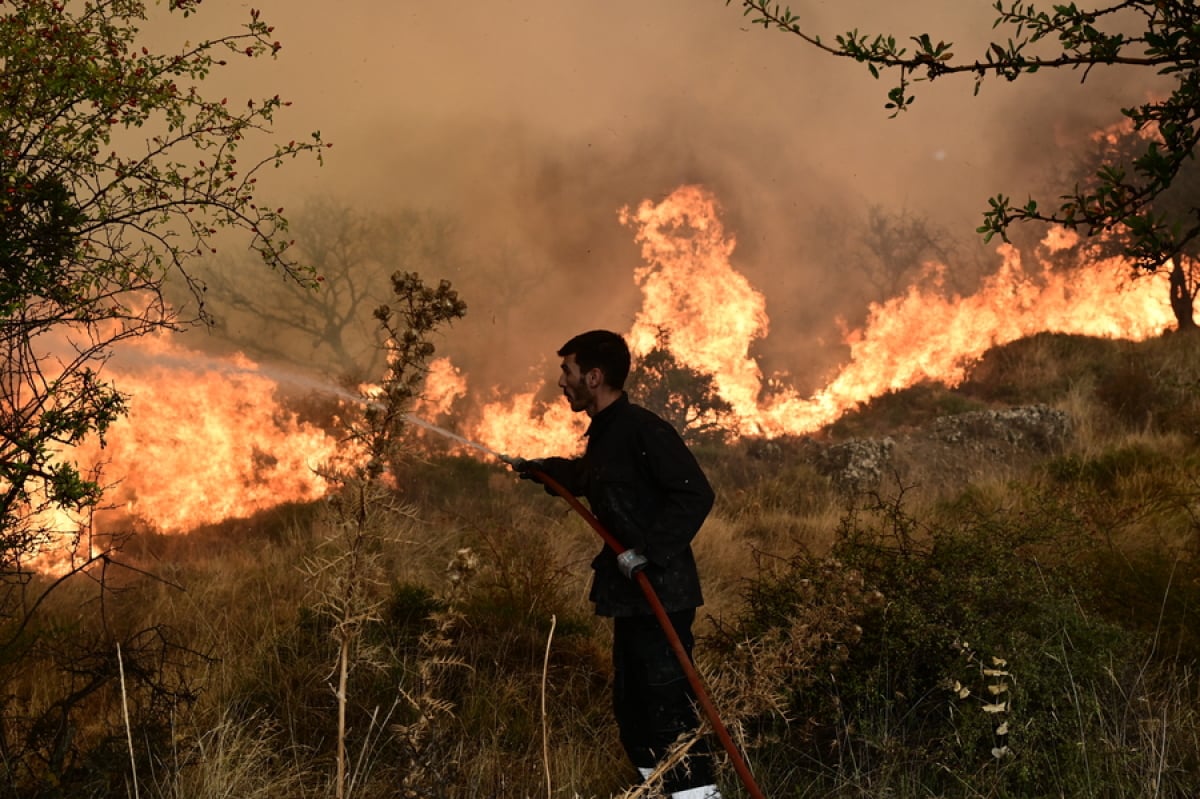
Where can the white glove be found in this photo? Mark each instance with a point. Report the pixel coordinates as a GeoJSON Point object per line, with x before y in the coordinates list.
{"type": "Point", "coordinates": [631, 562]}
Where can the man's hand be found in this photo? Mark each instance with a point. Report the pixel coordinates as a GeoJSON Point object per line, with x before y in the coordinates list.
{"type": "Point", "coordinates": [524, 467]}
{"type": "Point", "coordinates": [520, 465]}
{"type": "Point", "coordinates": [631, 562]}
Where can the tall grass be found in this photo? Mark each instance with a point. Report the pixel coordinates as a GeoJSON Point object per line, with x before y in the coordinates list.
{"type": "Point", "coordinates": [1026, 630]}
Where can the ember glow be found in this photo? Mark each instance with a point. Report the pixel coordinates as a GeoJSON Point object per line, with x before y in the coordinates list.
{"type": "Point", "coordinates": [209, 439]}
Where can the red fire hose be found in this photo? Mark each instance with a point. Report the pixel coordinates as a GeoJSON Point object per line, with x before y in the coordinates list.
{"type": "Point", "coordinates": [739, 763]}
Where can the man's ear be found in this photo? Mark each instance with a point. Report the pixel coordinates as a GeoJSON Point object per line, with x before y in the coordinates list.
{"type": "Point", "coordinates": [594, 378]}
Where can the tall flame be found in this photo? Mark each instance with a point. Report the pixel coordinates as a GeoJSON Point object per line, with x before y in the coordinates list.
{"type": "Point", "coordinates": [690, 288]}
{"type": "Point", "coordinates": [714, 315]}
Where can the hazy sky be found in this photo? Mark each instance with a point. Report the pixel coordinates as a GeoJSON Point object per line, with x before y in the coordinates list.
{"type": "Point", "coordinates": [535, 120]}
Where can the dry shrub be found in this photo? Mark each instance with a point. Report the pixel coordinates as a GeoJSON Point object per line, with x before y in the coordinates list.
{"type": "Point", "coordinates": [237, 757]}
{"type": "Point", "coordinates": [1130, 393]}
{"type": "Point", "coordinates": [799, 621]}
{"type": "Point", "coordinates": [852, 667]}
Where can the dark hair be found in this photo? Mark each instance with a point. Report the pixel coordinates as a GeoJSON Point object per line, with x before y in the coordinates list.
{"type": "Point", "coordinates": [603, 350]}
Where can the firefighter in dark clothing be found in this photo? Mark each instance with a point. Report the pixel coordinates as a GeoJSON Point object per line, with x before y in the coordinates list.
{"type": "Point", "coordinates": [646, 488]}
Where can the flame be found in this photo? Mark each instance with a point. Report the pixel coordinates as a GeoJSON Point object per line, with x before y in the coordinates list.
{"type": "Point", "coordinates": [924, 335]}
{"type": "Point", "coordinates": [690, 288]}
{"type": "Point", "coordinates": [523, 426]}
{"type": "Point", "coordinates": [714, 315]}
{"type": "Point", "coordinates": [444, 384]}
{"type": "Point", "coordinates": [204, 439]}
{"type": "Point", "coordinates": [63, 540]}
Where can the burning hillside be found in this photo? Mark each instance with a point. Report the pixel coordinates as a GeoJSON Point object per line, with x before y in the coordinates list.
{"type": "Point", "coordinates": [207, 439]}
{"type": "Point", "coordinates": [691, 288]}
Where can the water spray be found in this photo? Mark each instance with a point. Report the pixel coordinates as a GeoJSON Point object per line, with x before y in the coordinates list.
{"type": "Point", "coordinates": [310, 383]}
{"type": "Point", "coordinates": [408, 417]}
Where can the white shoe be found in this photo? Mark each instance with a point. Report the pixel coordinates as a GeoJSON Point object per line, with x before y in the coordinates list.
{"type": "Point", "coordinates": [703, 792]}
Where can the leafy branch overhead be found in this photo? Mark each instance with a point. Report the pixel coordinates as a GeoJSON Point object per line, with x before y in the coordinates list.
{"type": "Point", "coordinates": [1162, 36]}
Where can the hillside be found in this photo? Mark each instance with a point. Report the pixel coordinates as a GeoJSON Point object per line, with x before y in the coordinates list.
{"type": "Point", "coordinates": [1045, 515]}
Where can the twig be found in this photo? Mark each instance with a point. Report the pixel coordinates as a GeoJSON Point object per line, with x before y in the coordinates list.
{"type": "Point", "coordinates": [125, 712]}
{"type": "Point", "coordinates": [545, 726]}
{"type": "Point", "coordinates": [675, 755]}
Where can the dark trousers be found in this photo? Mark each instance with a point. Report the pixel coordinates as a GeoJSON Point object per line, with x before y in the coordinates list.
{"type": "Point", "coordinates": [652, 699]}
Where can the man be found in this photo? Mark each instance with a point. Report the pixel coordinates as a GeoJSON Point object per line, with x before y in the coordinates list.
{"type": "Point", "coordinates": [647, 490]}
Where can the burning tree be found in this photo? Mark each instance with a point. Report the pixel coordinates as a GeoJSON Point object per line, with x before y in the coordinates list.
{"type": "Point", "coordinates": [115, 171]}
{"type": "Point", "coordinates": [1158, 35]}
{"type": "Point", "coordinates": [1120, 147]}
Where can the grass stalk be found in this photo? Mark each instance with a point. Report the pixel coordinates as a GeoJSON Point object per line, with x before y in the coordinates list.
{"type": "Point", "coordinates": [545, 718]}
{"type": "Point", "coordinates": [128, 727]}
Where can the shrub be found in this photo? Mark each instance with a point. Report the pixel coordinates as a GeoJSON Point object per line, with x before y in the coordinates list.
{"type": "Point", "coordinates": [961, 656]}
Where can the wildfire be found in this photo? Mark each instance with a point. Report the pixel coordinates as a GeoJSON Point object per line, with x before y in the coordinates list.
{"type": "Point", "coordinates": [208, 439]}
{"type": "Point", "coordinates": [714, 315]}
{"type": "Point", "coordinates": [204, 439]}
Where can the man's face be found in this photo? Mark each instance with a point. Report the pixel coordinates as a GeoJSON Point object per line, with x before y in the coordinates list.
{"type": "Point", "coordinates": [578, 386]}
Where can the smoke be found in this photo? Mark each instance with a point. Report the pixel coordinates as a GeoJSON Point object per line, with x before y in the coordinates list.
{"type": "Point", "coordinates": [532, 123]}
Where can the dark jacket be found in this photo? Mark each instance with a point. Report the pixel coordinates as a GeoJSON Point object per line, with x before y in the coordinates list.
{"type": "Point", "coordinates": [646, 488]}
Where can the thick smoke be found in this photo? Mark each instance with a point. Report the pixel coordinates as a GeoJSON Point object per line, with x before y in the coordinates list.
{"type": "Point", "coordinates": [531, 123]}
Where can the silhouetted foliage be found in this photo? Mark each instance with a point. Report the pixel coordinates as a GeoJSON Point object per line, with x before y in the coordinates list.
{"type": "Point", "coordinates": [683, 396]}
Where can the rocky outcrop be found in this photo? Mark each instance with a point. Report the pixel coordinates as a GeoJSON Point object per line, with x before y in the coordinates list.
{"type": "Point", "coordinates": [948, 453]}
{"type": "Point", "coordinates": [1035, 428]}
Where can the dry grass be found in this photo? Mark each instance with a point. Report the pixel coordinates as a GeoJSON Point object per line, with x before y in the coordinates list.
{"type": "Point", "coordinates": [454, 708]}
{"type": "Point", "coordinates": [234, 757]}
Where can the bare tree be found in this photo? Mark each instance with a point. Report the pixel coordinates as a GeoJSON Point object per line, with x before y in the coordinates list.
{"type": "Point", "coordinates": [353, 253]}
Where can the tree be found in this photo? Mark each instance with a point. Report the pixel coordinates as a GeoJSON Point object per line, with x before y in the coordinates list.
{"type": "Point", "coordinates": [354, 252]}
{"type": "Point", "coordinates": [115, 172]}
{"type": "Point", "coordinates": [888, 250]}
{"type": "Point", "coordinates": [686, 398]}
{"type": "Point", "coordinates": [1120, 148]}
{"type": "Point", "coordinates": [1120, 197]}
